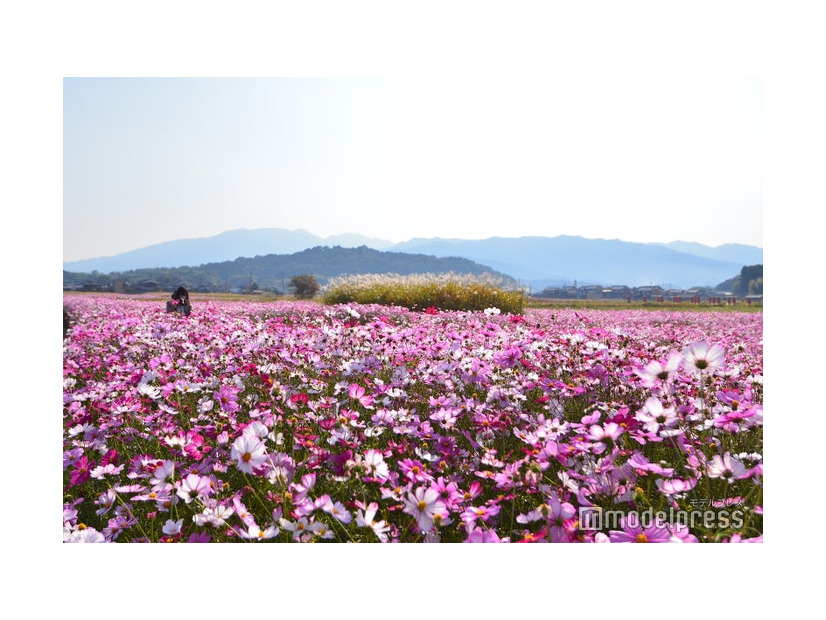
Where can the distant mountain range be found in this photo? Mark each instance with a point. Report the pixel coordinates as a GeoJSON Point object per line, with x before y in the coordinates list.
{"type": "Point", "coordinates": [222, 247]}
{"type": "Point", "coordinates": [556, 261]}
{"type": "Point", "coordinates": [534, 261]}
{"type": "Point", "coordinates": [274, 271]}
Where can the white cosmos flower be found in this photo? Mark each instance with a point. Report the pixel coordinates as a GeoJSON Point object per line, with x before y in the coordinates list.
{"type": "Point", "coordinates": [726, 467]}
{"type": "Point", "coordinates": [702, 358]}
{"type": "Point", "coordinates": [171, 528]}
{"type": "Point", "coordinates": [152, 391]}
{"type": "Point", "coordinates": [249, 452]}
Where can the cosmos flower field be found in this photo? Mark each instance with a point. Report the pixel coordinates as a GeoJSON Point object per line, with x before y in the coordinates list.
{"type": "Point", "coordinates": [299, 422]}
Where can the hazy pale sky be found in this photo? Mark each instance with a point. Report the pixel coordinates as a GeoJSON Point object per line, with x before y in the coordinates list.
{"type": "Point", "coordinates": [149, 160]}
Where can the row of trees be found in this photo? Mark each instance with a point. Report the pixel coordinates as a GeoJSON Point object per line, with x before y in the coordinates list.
{"type": "Point", "coordinates": [306, 286]}
{"type": "Point", "coordinates": [271, 272]}
{"type": "Point", "coordinates": [750, 282]}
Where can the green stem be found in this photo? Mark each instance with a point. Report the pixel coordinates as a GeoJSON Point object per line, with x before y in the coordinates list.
{"type": "Point", "coordinates": [255, 493]}
{"type": "Point", "coordinates": [131, 514]}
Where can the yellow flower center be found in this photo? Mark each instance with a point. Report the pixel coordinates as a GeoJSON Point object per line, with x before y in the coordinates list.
{"type": "Point", "coordinates": [641, 538]}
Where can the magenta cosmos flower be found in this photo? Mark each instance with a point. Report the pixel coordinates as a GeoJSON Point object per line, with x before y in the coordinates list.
{"type": "Point", "coordinates": [227, 397]}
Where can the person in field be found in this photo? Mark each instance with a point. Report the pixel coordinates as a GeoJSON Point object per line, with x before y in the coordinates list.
{"type": "Point", "coordinates": [180, 302]}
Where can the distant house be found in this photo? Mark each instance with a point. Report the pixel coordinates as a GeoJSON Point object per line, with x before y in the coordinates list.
{"type": "Point", "coordinates": [148, 286]}
{"type": "Point", "coordinates": [95, 286]}
{"type": "Point", "coordinates": [591, 291]}
{"type": "Point", "coordinates": [618, 291]}
{"type": "Point", "coordinates": [677, 295]}
{"type": "Point", "coordinates": [647, 292]}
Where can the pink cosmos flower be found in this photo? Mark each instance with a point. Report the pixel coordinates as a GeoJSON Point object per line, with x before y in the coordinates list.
{"type": "Point", "coordinates": [640, 461]}
{"type": "Point", "coordinates": [117, 525]}
{"type": "Point", "coordinates": [161, 473]}
{"type": "Point", "coordinates": [194, 446]}
{"type": "Point", "coordinates": [414, 470]}
{"type": "Point", "coordinates": [602, 435]}
{"type": "Point", "coordinates": [71, 457]}
{"type": "Point", "coordinates": [654, 416]}
{"type": "Point", "coordinates": [477, 373]}
{"type": "Point", "coordinates": [732, 420]}
{"type": "Point", "coordinates": [509, 357]}
{"type": "Point", "coordinates": [632, 532]}
{"type": "Point", "coordinates": [357, 392]}
{"type": "Point", "coordinates": [82, 470]}
{"type": "Point", "coordinates": [660, 371]}
{"type": "Point", "coordinates": [336, 509]}
{"type": "Point", "coordinates": [559, 512]}
{"type": "Point", "coordinates": [484, 536]}
{"type": "Point", "coordinates": [213, 514]}
{"type": "Point", "coordinates": [253, 532]}
{"type": "Point", "coordinates": [227, 397]}
{"type": "Point", "coordinates": [194, 486]}
{"type": "Point", "coordinates": [172, 528]}
{"type": "Point", "coordinates": [100, 472]}
{"type": "Point", "coordinates": [110, 457]}
{"type": "Point", "coordinates": [474, 491]}
{"type": "Point", "coordinates": [300, 527]}
{"type": "Point", "coordinates": [675, 486]}
{"type": "Point", "coordinates": [368, 519]}
{"type": "Point", "coordinates": [448, 492]}
{"type": "Point", "coordinates": [681, 534]}
{"type": "Point", "coordinates": [105, 501]}
{"type": "Point", "coordinates": [302, 489]}
{"type": "Point", "coordinates": [374, 464]}
{"type": "Point", "coordinates": [737, 538]}
{"type": "Point", "coordinates": [472, 514]}
{"type": "Point", "coordinates": [726, 467]}
{"type": "Point", "coordinates": [241, 511]}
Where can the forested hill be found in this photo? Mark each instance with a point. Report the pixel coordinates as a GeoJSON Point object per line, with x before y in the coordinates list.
{"type": "Point", "coordinates": [274, 270]}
